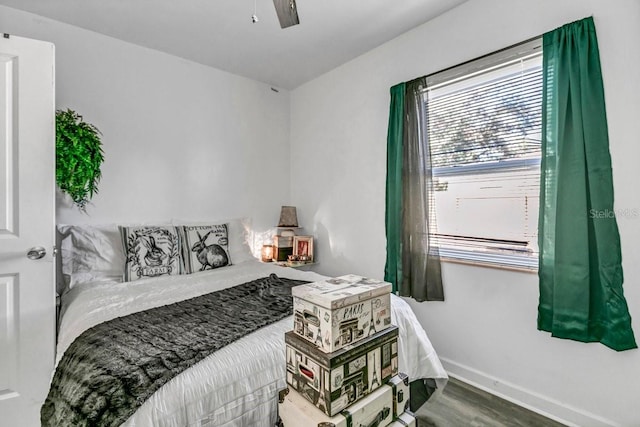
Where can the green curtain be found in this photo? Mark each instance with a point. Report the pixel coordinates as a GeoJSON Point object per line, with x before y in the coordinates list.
{"type": "Point", "coordinates": [580, 268]}
{"type": "Point", "coordinates": [413, 263]}
{"type": "Point", "coordinates": [393, 210]}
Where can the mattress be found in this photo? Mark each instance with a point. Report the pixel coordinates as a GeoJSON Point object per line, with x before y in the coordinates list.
{"type": "Point", "coordinates": [237, 385]}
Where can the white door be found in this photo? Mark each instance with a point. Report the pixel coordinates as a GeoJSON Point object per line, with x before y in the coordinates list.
{"type": "Point", "coordinates": [27, 290]}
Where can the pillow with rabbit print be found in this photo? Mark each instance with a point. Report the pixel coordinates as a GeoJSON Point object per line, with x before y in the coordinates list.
{"type": "Point", "coordinates": [150, 251]}
{"type": "Point", "coordinates": [204, 247]}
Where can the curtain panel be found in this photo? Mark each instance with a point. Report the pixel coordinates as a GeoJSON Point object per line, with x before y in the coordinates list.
{"type": "Point", "coordinates": [393, 205]}
{"type": "Point", "coordinates": [413, 263]}
{"type": "Point", "coordinates": [580, 264]}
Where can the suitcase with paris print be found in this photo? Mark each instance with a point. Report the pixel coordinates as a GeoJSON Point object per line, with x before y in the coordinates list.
{"type": "Point", "coordinates": [376, 409]}
{"type": "Point", "coordinates": [333, 381]}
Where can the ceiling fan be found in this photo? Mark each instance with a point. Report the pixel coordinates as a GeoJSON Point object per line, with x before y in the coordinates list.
{"type": "Point", "coordinates": [287, 12]}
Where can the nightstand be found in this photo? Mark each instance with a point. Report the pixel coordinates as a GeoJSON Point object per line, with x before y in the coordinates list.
{"type": "Point", "coordinates": [299, 266]}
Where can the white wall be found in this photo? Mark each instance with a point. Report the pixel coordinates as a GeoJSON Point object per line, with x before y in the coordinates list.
{"type": "Point", "coordinates": [181, 140]}
{"type": "Point", "coordinates": [485, 332]}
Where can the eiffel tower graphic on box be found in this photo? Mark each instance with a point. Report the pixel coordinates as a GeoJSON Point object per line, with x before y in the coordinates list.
{"type": "Point", "coordinates": [321, 404]}
{"type": "Point", "coordinates": [318, 341]}
{"type": "Point", "coordinates": [372, 328]}
{"type": "Point", "coordinates": [375, 382]}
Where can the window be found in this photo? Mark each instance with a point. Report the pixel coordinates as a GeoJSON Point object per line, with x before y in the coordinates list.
{"type": "Point", "coordinates": [483, 127]}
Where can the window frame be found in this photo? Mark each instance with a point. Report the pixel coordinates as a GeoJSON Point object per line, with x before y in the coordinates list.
{"type": "Point", "coordinates": [466, 70]}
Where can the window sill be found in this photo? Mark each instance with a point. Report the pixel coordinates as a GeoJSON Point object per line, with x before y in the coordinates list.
{"type": "Point", "coordinates": [486, 261]}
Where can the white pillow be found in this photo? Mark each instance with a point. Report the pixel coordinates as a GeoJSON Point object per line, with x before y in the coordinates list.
{"type": "Point", "coordinates": [151, 251]}
{"type": "Point", "coordinates": [239, 235]}
{"type": "Point", "coordinates": [204, 247]}
{"type": "Point", "coordinates": [90, 253]}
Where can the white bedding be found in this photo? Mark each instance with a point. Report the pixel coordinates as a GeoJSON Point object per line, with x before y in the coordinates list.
{"type": "Point", "coordinates": [237, 385]}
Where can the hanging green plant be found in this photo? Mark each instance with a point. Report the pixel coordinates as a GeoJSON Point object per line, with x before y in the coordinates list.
{"type": "Point", "coordinates": [79, 156]}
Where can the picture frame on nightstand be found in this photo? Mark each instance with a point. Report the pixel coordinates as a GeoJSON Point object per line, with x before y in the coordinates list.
{"type": "Point", "coordinates": [303, 248]}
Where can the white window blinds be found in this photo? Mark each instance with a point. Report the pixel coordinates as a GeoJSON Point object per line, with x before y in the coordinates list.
{"type": "Point", "coordinates": [483, 122]}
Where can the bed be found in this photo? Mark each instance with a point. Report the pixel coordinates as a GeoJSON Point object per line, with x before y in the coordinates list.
{"type": "Point", "coordinates": [238, 384]}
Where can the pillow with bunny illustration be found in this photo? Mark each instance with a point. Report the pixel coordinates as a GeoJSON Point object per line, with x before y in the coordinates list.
{"type": "Point", "coordinates": [150, 251]}
{"type": "Point", "coordinates": [204, 247]}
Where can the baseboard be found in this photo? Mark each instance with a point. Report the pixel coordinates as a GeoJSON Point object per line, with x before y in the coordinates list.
{"type": "Point", "coordinates": [536, 402]}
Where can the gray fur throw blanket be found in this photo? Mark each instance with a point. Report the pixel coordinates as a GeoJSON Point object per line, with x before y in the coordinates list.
{"type": "Point", "coordinates": [111, 369]}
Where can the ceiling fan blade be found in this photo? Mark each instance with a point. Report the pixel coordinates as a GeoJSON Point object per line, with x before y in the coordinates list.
{"type": "Point", "coordinates": [287, 12]}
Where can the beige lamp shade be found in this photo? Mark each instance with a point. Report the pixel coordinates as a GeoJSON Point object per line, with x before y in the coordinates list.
{"type": "Point", "coordinates": [288, 217]}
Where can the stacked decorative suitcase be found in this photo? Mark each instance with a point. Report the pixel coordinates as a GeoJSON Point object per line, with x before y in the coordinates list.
{"type": "Point", "coordinates": [342, 358]}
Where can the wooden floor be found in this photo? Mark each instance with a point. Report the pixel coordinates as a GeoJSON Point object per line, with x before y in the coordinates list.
{"type": "Point", "coordinates": [462, 405]}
